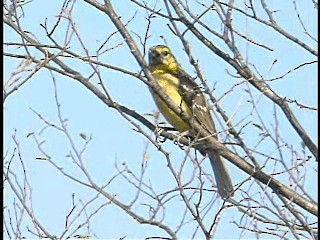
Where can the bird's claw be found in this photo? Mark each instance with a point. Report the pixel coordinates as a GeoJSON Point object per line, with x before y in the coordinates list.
{"type": "Point", "coordinates": [158, 132]}
{"type": "Point", "coordinates": [178, 137]}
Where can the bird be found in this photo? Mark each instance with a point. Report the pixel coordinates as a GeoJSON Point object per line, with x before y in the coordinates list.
{"type": "Point", "coordinates": [186, 94]}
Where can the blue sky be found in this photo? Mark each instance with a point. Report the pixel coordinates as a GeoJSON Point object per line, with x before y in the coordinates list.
{"type": "Point", "coordinates": [113, 140]}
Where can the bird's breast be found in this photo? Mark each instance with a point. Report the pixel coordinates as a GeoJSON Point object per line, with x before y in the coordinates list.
{"type": "Point", "coordinates": [170, 84]}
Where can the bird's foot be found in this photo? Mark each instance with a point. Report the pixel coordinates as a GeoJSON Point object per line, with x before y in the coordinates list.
{"type": "Point", "coordinates": [179, 136]}
{"type": "Point", "coordinates": [158, 132]}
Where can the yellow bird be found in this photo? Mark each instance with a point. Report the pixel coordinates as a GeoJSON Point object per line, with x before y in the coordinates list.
{"type": "Point", "coordinates": [187, 95]}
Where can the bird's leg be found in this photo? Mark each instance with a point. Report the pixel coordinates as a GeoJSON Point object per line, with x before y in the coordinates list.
{"type": "Point", "coordinates": [179, 136]}
{"type": "Point", "coordinates": [158, 130]}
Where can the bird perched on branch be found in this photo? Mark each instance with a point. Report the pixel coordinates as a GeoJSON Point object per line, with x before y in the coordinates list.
{"type": "Point", "coordinates": [187, 95]}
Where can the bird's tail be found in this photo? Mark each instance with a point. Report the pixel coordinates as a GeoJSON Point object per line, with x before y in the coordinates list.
{"type": "Point", "coordinates": [222, 176]}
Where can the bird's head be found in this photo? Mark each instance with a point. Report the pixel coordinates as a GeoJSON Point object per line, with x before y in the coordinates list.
{"type": "Point", "coordinates": [161, 57]}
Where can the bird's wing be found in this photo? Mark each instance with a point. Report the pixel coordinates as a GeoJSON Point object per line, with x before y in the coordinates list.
{"type": "Point", "coordinates": [194, 98]}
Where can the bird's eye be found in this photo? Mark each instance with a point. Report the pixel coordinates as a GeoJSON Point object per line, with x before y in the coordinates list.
{"type": "Point", "coordinates": [165, 53]}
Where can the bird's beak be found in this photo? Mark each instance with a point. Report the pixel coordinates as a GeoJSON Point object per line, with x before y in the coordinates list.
{"type": "Point", "coordinates": [154, 56]}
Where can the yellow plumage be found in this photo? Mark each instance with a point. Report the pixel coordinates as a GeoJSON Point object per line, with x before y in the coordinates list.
{"type": "Point", "coordinates": [170, 84]}
{"type": "Point", "coordinates": [187, 95]}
